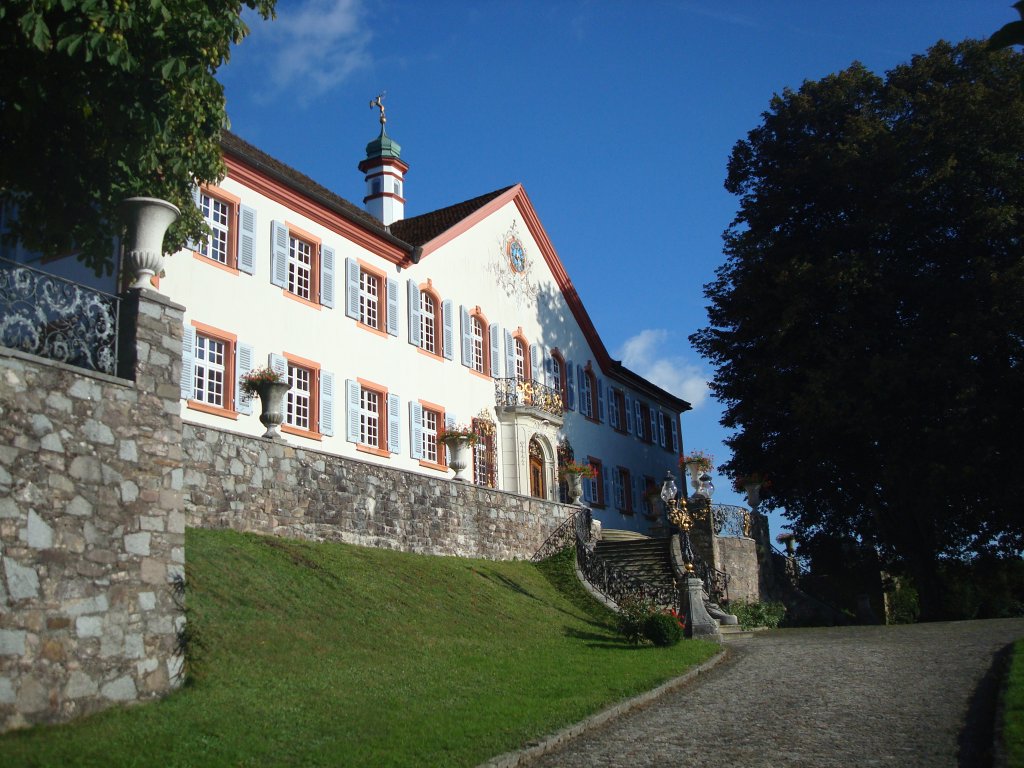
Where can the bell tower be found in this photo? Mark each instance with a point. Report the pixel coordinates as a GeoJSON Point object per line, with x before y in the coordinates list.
{"type": "Point", "coordinates": [385, 174]}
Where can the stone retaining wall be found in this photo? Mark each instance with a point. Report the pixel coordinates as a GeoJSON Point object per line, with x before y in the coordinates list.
{"type": "Point", "coordinates": [254, 484]}
{"type": "Point", "coordinates": [91, 525]}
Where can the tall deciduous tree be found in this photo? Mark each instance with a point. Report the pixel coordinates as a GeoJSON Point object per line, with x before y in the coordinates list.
{"type": "Point", "coordinates": [867, 327]}
{"type": "Point", "coordinates": [106, 99]}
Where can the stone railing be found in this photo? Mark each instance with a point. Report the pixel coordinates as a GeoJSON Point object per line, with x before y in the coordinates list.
{"type": "Point", "coordinates": [521, 392]}
{"type": "Point", "coordinates": [57, 319]}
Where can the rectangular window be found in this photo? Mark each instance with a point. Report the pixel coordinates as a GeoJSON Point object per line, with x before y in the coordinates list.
{"type": "Point", "coordinates": [623, 490]}
{"type": "Point", "coordinates": [300, 268]}
{"type": "Point", "coordinates": [479, 344]}
{"type": "Point", "coordinates": [300, 397]}
{"type": "Point", "coordinates": [594, 487]}
{"type": "Point", "coordinates": [617, 410]}
{"type": "Point", "coordinates": [369, 299]}
{"type": "Point", "coordinates": [484, 466]}
{"type": "Point", "coordinates": [428, 323]}
{"type": "Point", "coordinates": [210, 370]}
{"type": "Point", "coordinates": [431, 451]}
{"type": "Point", "coordinates": [370, 418]}
{"type": "Point", "coordinates": [587, 395]}
{"type": "Point", "coordinates": [217, 214]}
{"type": "Point", "coordinates": [648, 496]}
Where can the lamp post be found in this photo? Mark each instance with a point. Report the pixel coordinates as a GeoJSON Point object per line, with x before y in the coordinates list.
{"type": "Point", "coordinates": [698, 621]}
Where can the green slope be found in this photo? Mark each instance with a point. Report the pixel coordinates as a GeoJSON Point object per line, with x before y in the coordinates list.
{"type": "Point", "coordinates": [329, 654]}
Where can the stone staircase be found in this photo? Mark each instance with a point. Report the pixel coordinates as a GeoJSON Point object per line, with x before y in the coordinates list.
{"type": "Point", "coordinates": [643, 558]}
{"type": "Point", "coordinates": [649, 560]}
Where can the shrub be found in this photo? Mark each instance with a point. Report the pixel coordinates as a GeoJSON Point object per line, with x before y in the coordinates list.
{"type": "Point", "coordinates": [633, 613]}
{"type": "Point", "coordinates": [753, 614]}
{"type": "Point", "coordinates": [662, 629]}
{"type": "Point", "coordinates": [903, 605]}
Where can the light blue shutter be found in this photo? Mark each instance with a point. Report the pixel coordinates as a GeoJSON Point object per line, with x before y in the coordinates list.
{"type": "Point", "coordinates": [467, 338]}
{"type": "Point", "coordinates": [247, 239]}
{"type": "Point", "coordinates": [415, 430]}
{"type": "Point", "coordinates": [536, 369]}
{"type": "Point", "coordinates": [279, 364]}
{"type": "Point", "coordinates": [327, 276]}
{"type": "Point", "coordinates": [638, 418]}
{"type": "Point", "coordinates": [629, 413]}
{"type": "Point", "coordinates": [570, 385]}
{"type": "Point", "coordinates": [613, 410]}
{"type": "Point", "coordinates": [243, 364]}
{"type": "Point", "coordinates": [585, 400]}
{"type": "Point", "coordinates": [449, 423]}
{"type": "Point", "coordinates": [600, 400]}
{"type": "Point", "coordinates": [394, 425]}
{"type": "Point", "coordinates": [675, 434]}
{"type": "Point", "coordinates": [352, 393]}
{"type": "Point", "coordinates": [197, 200]}
{"type": "Point", "coordinates": [188, 362]}
{"type": "Point", "coordinates": [447, 332]}
{"type": "Point", "coordinates": [392, 319]}
{"type": "Point", "coordinates": [493, 336]}
{"type": "Point", "coordinates": [326, 403]}
{"type": "Point", "coordinates": [654, 425]}
{"type": "Point", "coordinates": [413, 293]}
{"type": "Point", "coordinates": [510, 355]}
{"type": "Point", "coordinates": [279, 254]}
{"type": "Point", "coordinates": [351, 288]}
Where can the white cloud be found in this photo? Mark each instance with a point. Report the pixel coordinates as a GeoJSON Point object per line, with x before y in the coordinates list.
{"type": "Point", "coordinates": [313, 45]}
{"type": "Point", "coordinates": [649, 354]}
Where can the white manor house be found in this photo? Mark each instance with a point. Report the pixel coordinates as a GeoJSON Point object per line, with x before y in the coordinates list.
{"type": "Point", "coordinates": [389, 329]}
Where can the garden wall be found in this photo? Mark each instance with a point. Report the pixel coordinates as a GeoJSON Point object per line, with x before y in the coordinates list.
{"type": "Point", "coordinates": [255, 484]}
{"type": "Point", "coordinates": [91, 524]}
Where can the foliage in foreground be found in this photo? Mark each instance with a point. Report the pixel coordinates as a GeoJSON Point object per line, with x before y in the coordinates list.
{"type": "Point", "coordinates": [108, 100]}
{"type": "Point", "coordinates": [1013, 712]}
{"type": "Point", "coordinates": [754, 614]}
{"type": "Point", "coordinates": [641, 621]}
{"type": "Point", "coordinates": [328, 654]}
{"type": "Point", "coordinates": [877, 243]}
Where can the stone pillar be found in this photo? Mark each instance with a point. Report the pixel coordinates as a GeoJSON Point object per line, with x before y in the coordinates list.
{"type": "Point", "coordinates": [91, 524]}
{"type": "Point", "coordinates": [699, 623]}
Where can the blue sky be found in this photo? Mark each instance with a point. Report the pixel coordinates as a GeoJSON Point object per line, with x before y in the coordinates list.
{"type": "Point", "coordinates": [617, 117]}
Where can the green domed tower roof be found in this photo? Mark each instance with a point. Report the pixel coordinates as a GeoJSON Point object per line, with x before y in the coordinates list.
{"type": "Point", "coordinates": [383, 146]}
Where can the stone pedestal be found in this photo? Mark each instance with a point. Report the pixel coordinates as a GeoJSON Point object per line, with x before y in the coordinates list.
{"type": "Point", "coordinates": [699, 623]}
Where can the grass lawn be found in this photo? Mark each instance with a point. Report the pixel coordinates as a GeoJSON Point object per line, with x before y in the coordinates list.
{"type": "Point", "coordinates": [1013, 723]}
{"type": "Point", "coordinates": [329, 654]}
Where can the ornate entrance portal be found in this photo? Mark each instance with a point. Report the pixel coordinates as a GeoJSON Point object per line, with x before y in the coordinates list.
{"type": "Point", "coordinates": [537, 489]}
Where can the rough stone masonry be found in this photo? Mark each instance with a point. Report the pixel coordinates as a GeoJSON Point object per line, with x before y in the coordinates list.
{"type": "Point", "coordinates": [91, 524]}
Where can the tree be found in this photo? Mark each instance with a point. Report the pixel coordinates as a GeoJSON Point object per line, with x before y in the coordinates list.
{"type": "Point", "coordinates": [867, 326]}
{"type": "Point", "coordinates": [106, 99]}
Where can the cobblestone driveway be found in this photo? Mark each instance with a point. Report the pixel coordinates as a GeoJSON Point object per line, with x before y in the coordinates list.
{"type": "Point", "coordinates": [857, 696]}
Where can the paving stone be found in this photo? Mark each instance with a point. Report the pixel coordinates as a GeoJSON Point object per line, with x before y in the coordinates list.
{"type": "Point", "coordinates": [918, 696]}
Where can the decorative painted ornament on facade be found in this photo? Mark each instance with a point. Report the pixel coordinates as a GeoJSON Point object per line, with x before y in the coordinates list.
{"type": "Point", "coordinates": [512, 268]}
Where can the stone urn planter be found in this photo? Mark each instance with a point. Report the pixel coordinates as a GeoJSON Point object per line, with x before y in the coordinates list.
{"type": "Point", "coordinates": [147, 220]}
{"type": "Point", "coordinates": [753, 490]}
{"type": "Point", "coordinates": [574, 482]}
{"type": "Point", "coordinates": [459, 454]}
{"type": "Point", "coordinates": [272, 402]}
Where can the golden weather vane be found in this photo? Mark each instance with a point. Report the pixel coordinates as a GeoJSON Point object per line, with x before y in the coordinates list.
{"type": "Point", "coordinates": [379, 103]}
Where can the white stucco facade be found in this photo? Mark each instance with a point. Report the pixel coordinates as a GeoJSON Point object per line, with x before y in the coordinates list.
{"type": "Point", "coordinates": [487, 260]}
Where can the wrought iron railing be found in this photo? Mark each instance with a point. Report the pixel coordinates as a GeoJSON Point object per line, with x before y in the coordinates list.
{"type": "Point", "coordinates": [574, 528]}
{"type": "Point", "coordinates": [522, 392]}
{"type": "Point", "coordinates": [57, 318]}
{"type": "Point", "coordinates": [616, 583]}
{"type": "Point", "coordinates": [730, 521]}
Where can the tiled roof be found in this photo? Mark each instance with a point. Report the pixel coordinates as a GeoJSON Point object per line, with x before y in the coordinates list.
{"type": "Point", "coordinates": [425, 227]}
{"type": "Point", "coordinates": [232, 144]}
